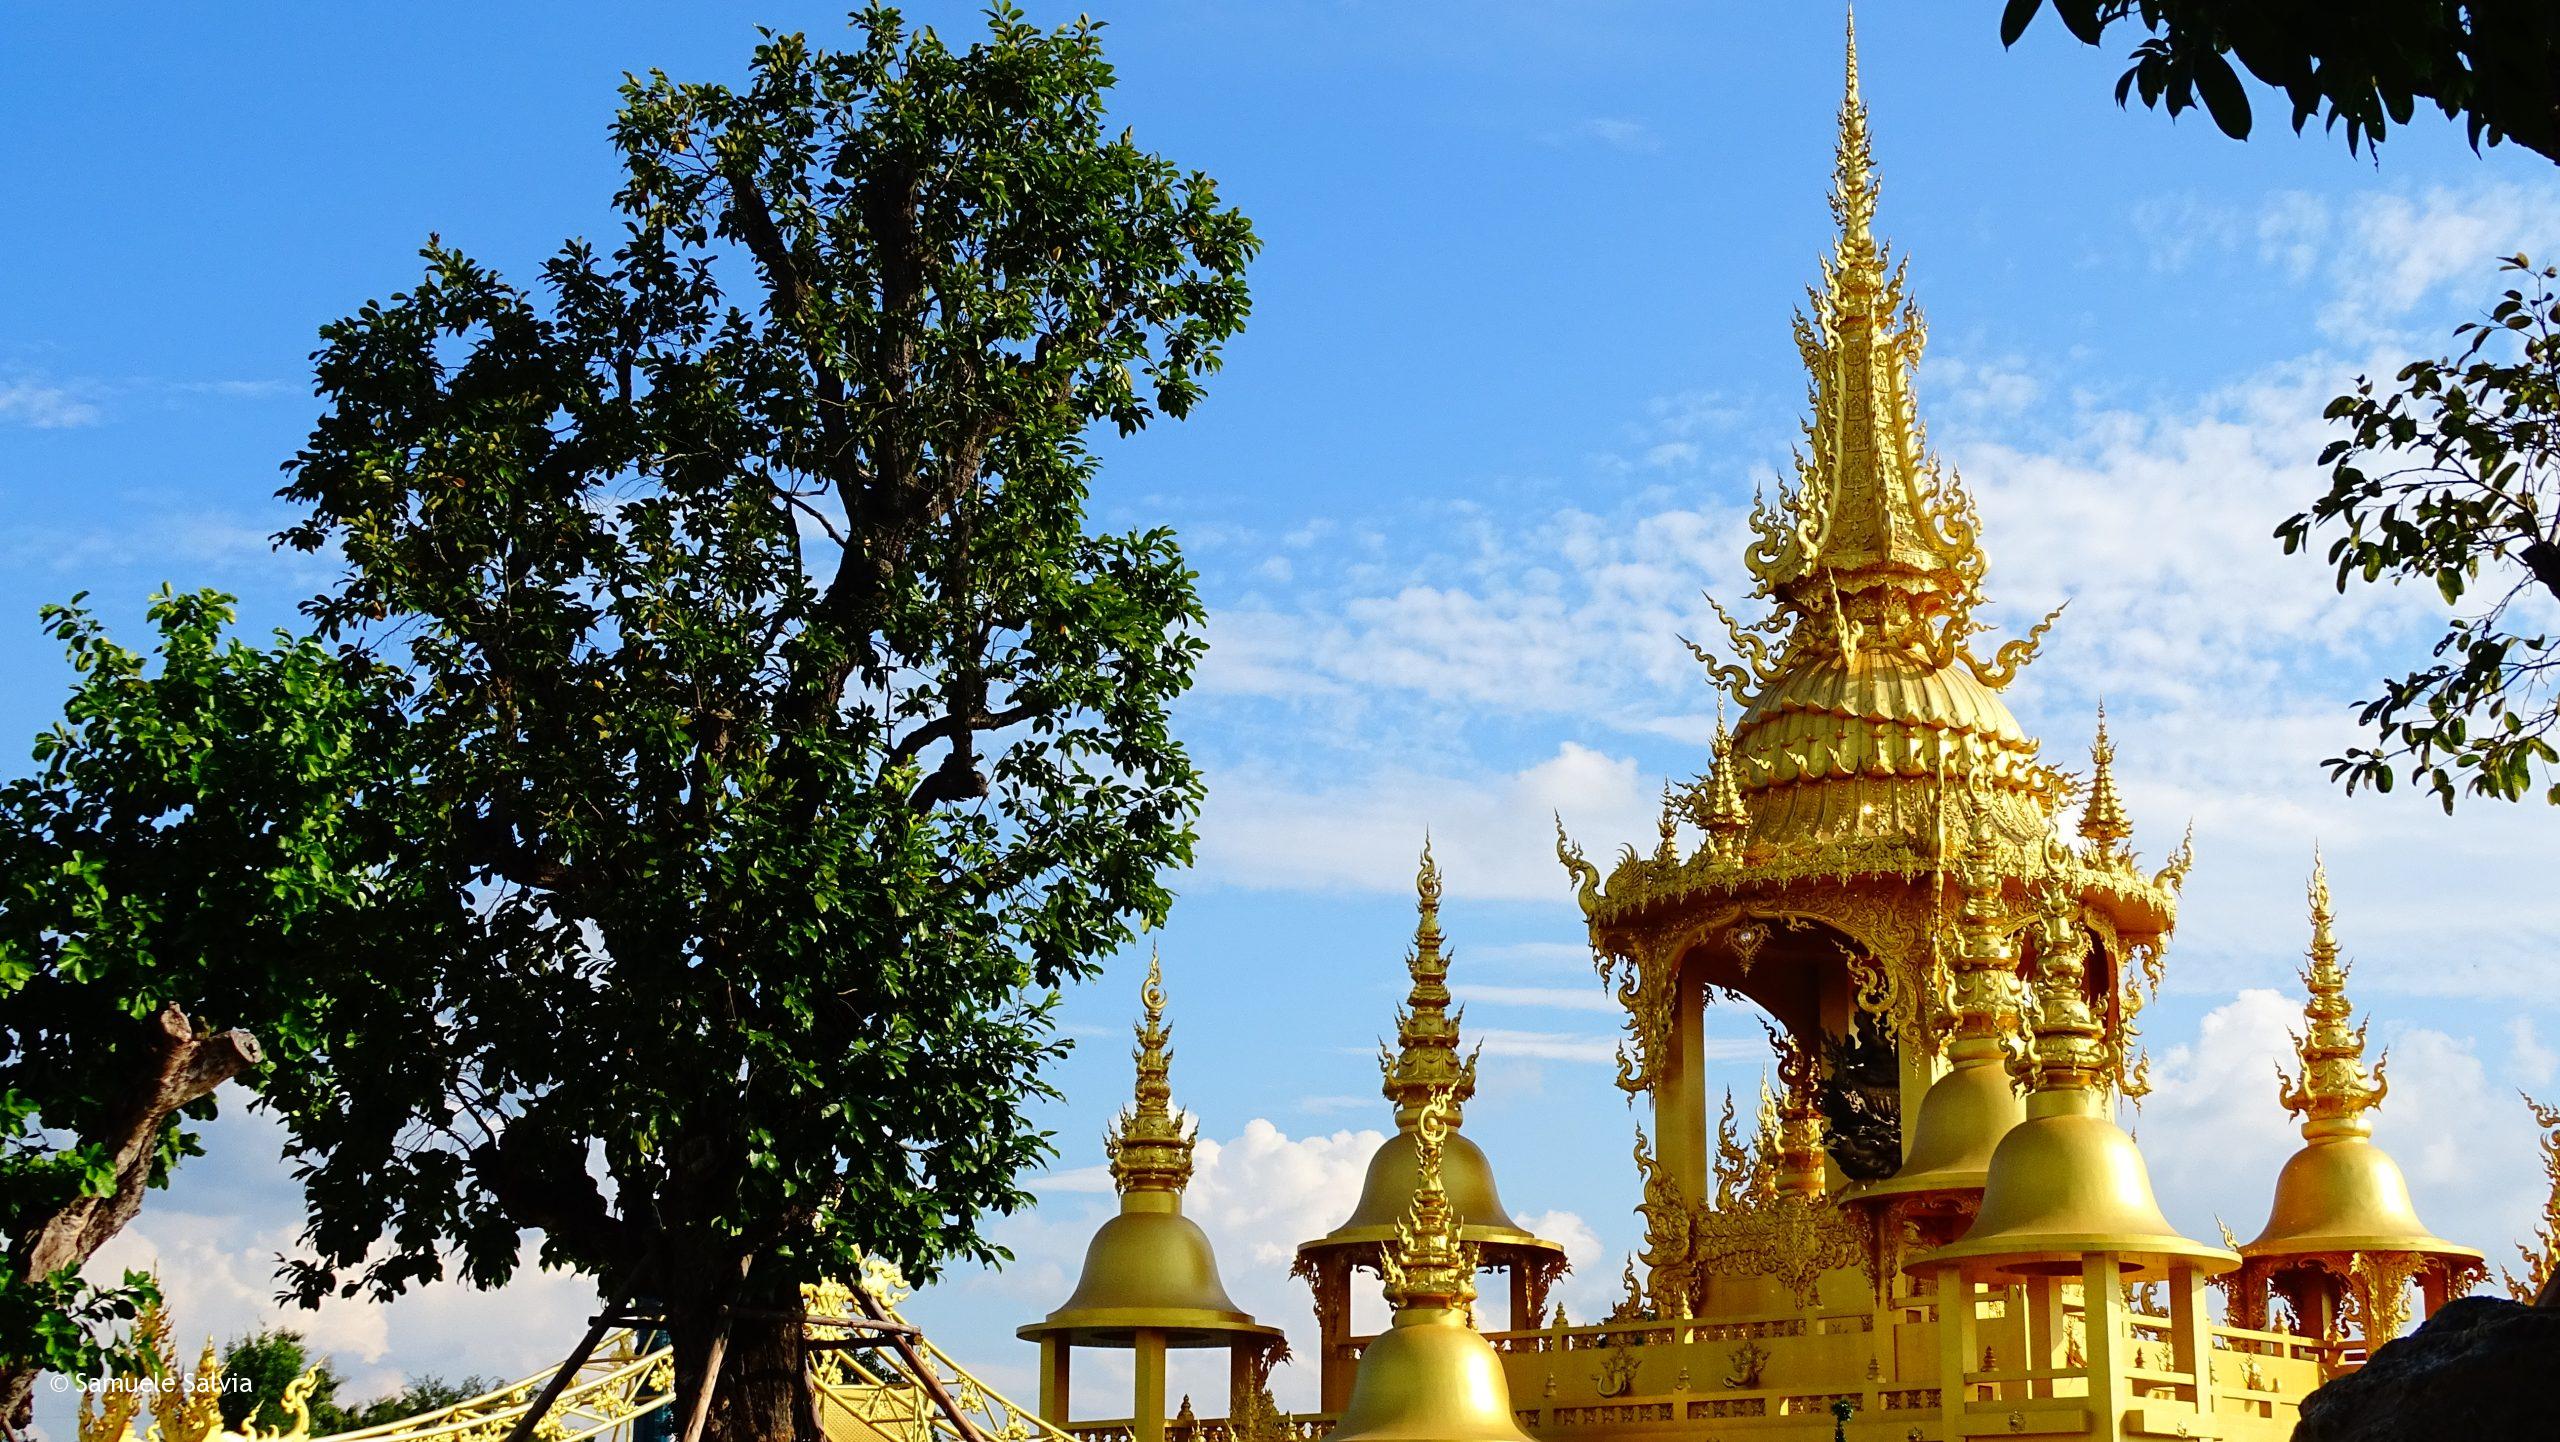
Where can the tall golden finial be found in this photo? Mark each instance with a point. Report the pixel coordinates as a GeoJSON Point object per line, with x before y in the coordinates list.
{"type": "Point", "coordinates": [1983, 965]}
{"type": "Point", "coordinates": [1150, 1144]}
{"type": "Point", "coordinates": [1426, 1061]}
{"type": "Point", "coordinates": [1853, 180]}
{"type": "Point", "coordinates": [1429, 1267]}
{"type": "Point", "coordinates": [1796, 1113]}
{"type": "Point", "coordinates": [1873, 546]}
{"type": "Point", "coordinates": [2103, 821]}
{"type": "Point", "coordinates": [2069, 1049]}
{"type": "Point", "coordinates": [2333, 1092]}
{"type": "Point", "coordinates": [1723, 817]}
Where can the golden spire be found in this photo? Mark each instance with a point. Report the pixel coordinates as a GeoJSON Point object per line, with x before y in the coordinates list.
{"type": "Point", "coordinates": [2068, 1050]}
{"type": "Point", "coordinates": [2333, 1092]}
{"type": "Point", "coordinates": [1723, 817]}
{"type": "Point", "coordinates": [1429, 1267]}
{"type": "Point", "coordinates": [2103, 821]}
{"type": "Point", "coordinates": [1150, 1144]}
{"type": "Point", "coordinates": [1872, 545]}
{"type": "Point", "coordinates": [1426, 1062]}
{"type": "Point", "coordinates": [1797, 1169]}
{"type": "Point", "coordinates": [1984, 991]}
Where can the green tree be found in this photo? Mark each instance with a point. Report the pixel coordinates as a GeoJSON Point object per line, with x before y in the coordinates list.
{"type": "Point", "coordinates": [257, 1369]}
{"type": "Point", "coordinates": [782, 737]}
{"type": "Point", "coordinates": [168, 877]}
{"type": "Point", "coordinates": [2360, 65]}
{"type": "Point", "coordinates": [2453, 480]}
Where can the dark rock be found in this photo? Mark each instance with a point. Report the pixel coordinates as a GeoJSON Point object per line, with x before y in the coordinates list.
{"type": "Point", "coordinates": [2482, 1367]}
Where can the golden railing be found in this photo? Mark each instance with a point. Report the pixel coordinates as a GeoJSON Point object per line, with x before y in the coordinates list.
{"type": "Point", "coordinates": [861, 1397]}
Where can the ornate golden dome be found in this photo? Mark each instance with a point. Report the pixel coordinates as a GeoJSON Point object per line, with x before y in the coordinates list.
{"type": "Point", "coordinates": [1425, 1065]}
{"type": "Point", "coordinates": [2067, 1181]}
{"type": "Point", "coordinates": [1430, 1377]}
{"type": "Point", "coordinates": [2342, 1199]}
{"type": "Point", "coordinates": [1150, 1267]}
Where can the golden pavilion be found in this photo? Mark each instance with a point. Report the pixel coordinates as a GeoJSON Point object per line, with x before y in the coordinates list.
{"type": "Point", "coordinates": [1940, 1229]}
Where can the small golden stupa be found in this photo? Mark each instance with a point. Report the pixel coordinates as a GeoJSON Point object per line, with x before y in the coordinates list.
{"type": "Point", "coordinates": [1426, 1065]}
{"type": "Point", "coordinates": [1430, 1377]}
{"type": "Point", "coordinates": [1942, 1230]}
{"type": "Point", "coordinates": [1150, 1279]}
{"type": "Point", "coordinates": [2343, 1241]}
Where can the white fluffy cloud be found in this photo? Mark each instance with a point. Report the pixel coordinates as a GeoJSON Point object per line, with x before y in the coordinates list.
{"type": "Point", "coordinates": [1493, 838]}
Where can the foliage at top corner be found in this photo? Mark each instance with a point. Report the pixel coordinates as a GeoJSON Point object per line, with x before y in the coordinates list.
{"type": "Point", "coordinates": [2362, 66]}
{"type": "Point", "coordinates": [783, 733]}
{"type": "Point", "coordinates": [2452, 480]}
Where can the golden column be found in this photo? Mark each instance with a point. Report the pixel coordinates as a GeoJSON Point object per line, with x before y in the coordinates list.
{"type": "Point", "coordinates": [1150, 1279]}
{"type": "Point", "coordinates": [1425, 1065]}
{"type": "Point", "coordinates": [2343, 1240]}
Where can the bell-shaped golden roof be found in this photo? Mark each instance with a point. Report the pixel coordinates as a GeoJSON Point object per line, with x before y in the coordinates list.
{"type": "Point", "coordinates": [2340, 1194]}
{"type": "Point", "coordinates": [1150, 1267]}
{"type": "Point", "coordinates": [1426, 1064]}
{"type": "Point", "coordinates": [1430, 1377]}
{"type": "Point", "coordinates": [2067, 1181]}
{"type": "Point", "coordinates": [1966, 1113]}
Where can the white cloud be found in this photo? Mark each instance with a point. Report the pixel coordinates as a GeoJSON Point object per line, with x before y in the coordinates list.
{"type": "Point", "coordinates": [45, 405]}
{"type": "Point", "coordinates": [1543, 998]}
{"type": "Point", "coordinates": [1492, 840]}
{"type": "Point", "coordinates": [1614, 131]}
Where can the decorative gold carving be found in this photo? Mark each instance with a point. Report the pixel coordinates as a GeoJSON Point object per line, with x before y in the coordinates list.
{"type": "Point", "coordinates": [1746, 1362]}
{"type": "Point", "coordinates": [2542, 1259]}
{"type": "Point", "coordinates": [2332, 1092]}
{"type": "Point", "coordinates": [1150, 1144]}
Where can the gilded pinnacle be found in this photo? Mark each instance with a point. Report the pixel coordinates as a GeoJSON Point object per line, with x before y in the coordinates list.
{"type": "Point", "coordinates": [1150, 1144]}
{"type": "Point", "coordinates": [2069, 1050]}
{"type": "Point", "coordinates": [1725, 821]}
{"type": "Point", "coordinates": [1871, 547]}
{"type": "Point", "coordinates": [1428, 1266]}
{"type": "Point", "coordinates": [1984, 965]}
{"type": "Point", "coordinates": [1853, 181]}
{"type": "Point", "coordinates": [1426, 1061]}
{"type": "Point", "coordinates": [2103, 821]}
{"type": "Point", "coordinates": [2332, 1092]}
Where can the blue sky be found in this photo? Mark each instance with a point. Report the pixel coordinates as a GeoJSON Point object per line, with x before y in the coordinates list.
{"type": "Point", "coordinates": [1519, 352]}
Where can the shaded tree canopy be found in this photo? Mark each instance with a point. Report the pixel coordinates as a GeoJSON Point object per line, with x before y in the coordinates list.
{"type": "Point", "coordinates": [2361, 66]}
{"type": "Point", "coordinates": [2453, 480]}
{"type": "Point", "coordinates": [780, 737]}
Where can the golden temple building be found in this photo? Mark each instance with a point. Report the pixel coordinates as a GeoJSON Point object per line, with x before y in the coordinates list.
{"type": "Point", "coordinates": [1941, 1229]}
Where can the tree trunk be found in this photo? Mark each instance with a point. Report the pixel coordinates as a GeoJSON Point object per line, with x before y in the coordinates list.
{"type": "Point", "coordinates": [762, 1392]}
{"type": "Point", "coordinates": [177, 1068]}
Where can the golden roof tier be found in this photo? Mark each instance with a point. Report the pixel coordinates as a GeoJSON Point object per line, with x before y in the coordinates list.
{"type": "Point", "coordinates": [1426, 1066]}
{"type": "Point", "coordinates": [1150, 1279]}
{"type": "Point", "coordinates": [2343, 1241]}
{"type": "Point", "coordinates": [1430, 1377]}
